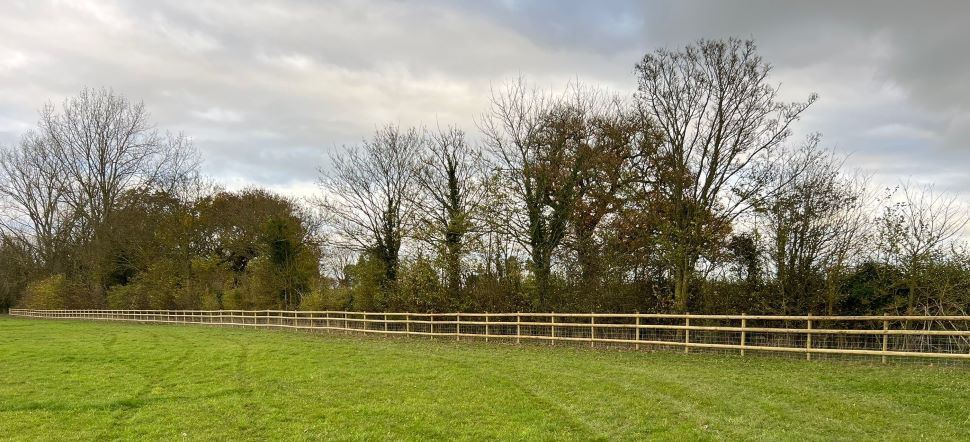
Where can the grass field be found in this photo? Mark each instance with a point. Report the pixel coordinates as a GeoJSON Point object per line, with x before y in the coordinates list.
{"type": "Point", "coordinates": [64, 380]}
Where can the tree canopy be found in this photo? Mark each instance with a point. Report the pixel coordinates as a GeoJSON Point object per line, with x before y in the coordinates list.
{"type": "Point", "coordinates": [687, 193]}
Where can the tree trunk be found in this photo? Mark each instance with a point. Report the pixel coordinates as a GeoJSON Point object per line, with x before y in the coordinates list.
{"type": "Point", "coordinates": [541, 267]}
{"type": "Point", "coordinates": [453, 268]}
{"type": "Point", "coordinates": [682, 274]}
{"type": "Point", "coordinates": [588, 256]}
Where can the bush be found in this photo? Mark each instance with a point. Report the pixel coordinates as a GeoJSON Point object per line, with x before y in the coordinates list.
{"type": "Point", "coordinates": [420, 289]}
{"type": "Point", "coordinates": [49, 293]}
{"type": "Point", "coordinates": [327, 298]}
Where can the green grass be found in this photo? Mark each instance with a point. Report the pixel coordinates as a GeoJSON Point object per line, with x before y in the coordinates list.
{"type": "Point", "coordinates": [89, 380]}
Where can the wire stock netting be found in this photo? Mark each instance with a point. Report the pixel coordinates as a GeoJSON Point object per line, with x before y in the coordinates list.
{"type": "Point", "coordinates": [919, 339]}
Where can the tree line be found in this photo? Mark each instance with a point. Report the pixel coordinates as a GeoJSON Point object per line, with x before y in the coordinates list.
{"type": "Point", "coordinates": [690, 194]}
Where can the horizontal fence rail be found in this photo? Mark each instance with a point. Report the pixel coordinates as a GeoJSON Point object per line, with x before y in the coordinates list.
{"type": "Point", "coordinates": [942, 337]}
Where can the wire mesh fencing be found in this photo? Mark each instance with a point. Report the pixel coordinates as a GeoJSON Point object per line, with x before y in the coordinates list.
{"type": "Point", "coordinates": [886, 338]}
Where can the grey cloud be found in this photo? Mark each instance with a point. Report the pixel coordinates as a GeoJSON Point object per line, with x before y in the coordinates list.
{"type": "Point", "coordinates": [268, 90]}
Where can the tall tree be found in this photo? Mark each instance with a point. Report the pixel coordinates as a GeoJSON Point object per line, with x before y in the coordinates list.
{"type": "Point", "coordinates": [36, 212]}
{"type": "Point", "coordinates": [813, 223]}
{"type": "Point", "coordinates": [546, 150]}
{"type": "Point", "coordinates": [16, 266]}
{"type": "Point", "coordinates": [369, 194]}
{"type": "Point", "coordinates": [617, 137]}
{"type": "Point", "coordinates": [720, 119]}
{"type": "Point", "coordinates": [453, 180]}
{"type": "Point", "coordinates": [915, 233]}
{"type": "Point", "coordinates": [104, 145]}
{"type": "Point", "coordinates": [69, 176]}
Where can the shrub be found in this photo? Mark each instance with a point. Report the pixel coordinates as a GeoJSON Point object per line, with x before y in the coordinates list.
{"type": "Point", "coordinates": [52, 292]}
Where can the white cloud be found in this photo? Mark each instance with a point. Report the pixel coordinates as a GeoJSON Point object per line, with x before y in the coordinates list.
{"type": "Point", "coordinates": [219, 115]}
{"type": "Point", "coordinates": [899, 130]}
{"type": "Point", "coordinates": [191, 41]}
{"type": "Point", "coordinates": [299, 62]}
{"type": "Point", "coordinates": [12, 60]}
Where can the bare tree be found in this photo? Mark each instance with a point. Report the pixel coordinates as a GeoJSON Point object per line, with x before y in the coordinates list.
{"type": "Point", "coordinates": [453, 179]}
{"type": "Point", "coordinates": [917, 230]}
{"type": "Point", "coordinates": [532, 215]}
{"type": "Point", "coordinates": [66, 179]}
{"type": "Point", "coordinates": [851, 237]}
{"type": "Point", "coordinates": [369, 194]}
{"type": "Point", "coordinates": [37, 213]}
{"type": "Point", "coordinates": [720, 120]}
{"type": "Point", "coordinates": [814, 223]}
{"type": "Point", "coordinates": [103, 145]}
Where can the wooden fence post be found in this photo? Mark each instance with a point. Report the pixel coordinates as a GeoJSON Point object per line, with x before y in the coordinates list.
{"type": "Point", "coordinates": [638, 331]}
{"type": "Point", "coordinates": [385, 325]}
{"type": "Point", "coordinates": [407, 324]}
{"type": "Point", "coordinates": [518, 327]}
{"type": "Point", "coordinates": [808, 339]}
{"type": "Point", "coordinates": [885, 338]}
{"type": "Point", "coordinates": [592, 329]}
{"type": "Point", "coordinates": [553, 329]}
{"type": "Point", "coordinates": [687, 333]}
{"type": "Point", "coordinates": [458, 327]}
{"type": "Point", "coordinates": [431, 320]}
{"type": "Point", "coordinates": [486, 327]}
{"type": "Point", "coordinates": [744, 333]}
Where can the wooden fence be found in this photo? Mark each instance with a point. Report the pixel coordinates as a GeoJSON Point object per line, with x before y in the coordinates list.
{"type": "Point", "coordinates": [944, 337]}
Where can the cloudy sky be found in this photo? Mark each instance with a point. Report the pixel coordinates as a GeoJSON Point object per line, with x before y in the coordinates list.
{"type": "Point", "coordinates": [268, 90]}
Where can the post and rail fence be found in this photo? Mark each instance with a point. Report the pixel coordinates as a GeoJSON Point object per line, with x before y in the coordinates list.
{"type": "Point", "coordinates": [935, 337]}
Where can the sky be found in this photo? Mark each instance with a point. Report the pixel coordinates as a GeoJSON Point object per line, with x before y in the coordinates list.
{"type": "Point", "coordinates": [269, 90]}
